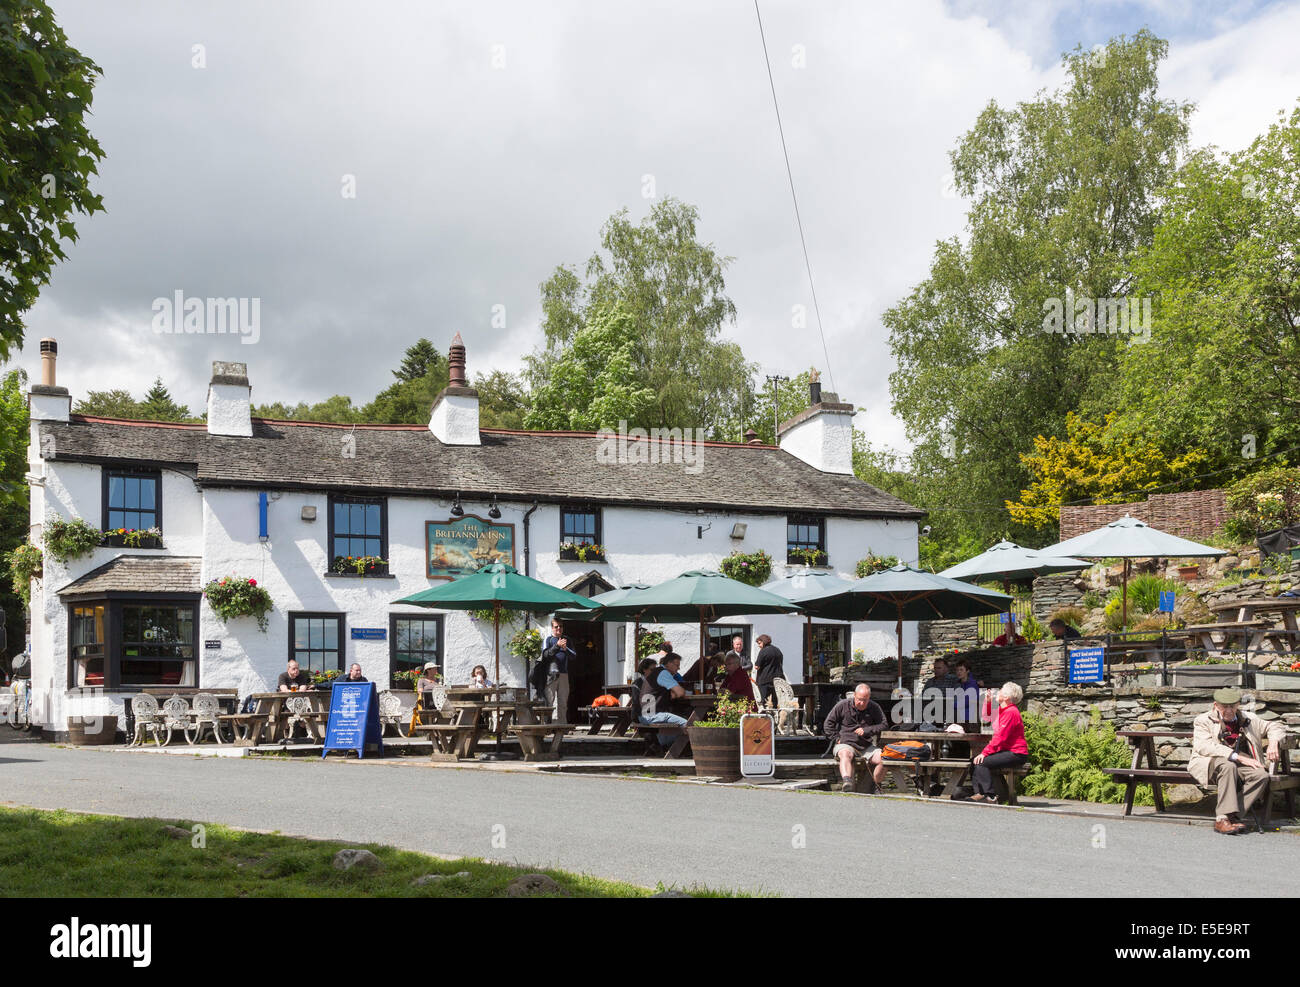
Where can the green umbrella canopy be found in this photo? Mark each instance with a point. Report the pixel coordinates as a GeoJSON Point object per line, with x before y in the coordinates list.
{"type": "Point", "coordinates": [1129, 538]}
{"type": "Point", "coordinates": [497, 584]}
{"type": "Point", "coordinates": [1007, 561]}
{"type": "Point", "coordinates": [699, 594]}
{"type": "Point", "coordinates": [807, 587]}
{"type": "Point", "coordinates": [619, 595]}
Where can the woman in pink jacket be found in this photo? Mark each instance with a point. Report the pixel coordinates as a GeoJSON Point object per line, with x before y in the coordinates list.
{"type": "Point", "coordinates": [1007, 748]}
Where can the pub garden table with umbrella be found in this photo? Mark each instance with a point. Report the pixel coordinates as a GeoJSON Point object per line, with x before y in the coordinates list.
{"type": "Point", "coordinates": [500, 587]}
{"type": "Point", "coordinates": [699, 594]}
{"type": "Point", "coordinates": [903, 593]}
{"type": "Point", "coordinates": [1129, 539]}
{"type": "Point", "coordinates": [1009, 562]}
{"type": "Point", "coordinates": [805, 588]}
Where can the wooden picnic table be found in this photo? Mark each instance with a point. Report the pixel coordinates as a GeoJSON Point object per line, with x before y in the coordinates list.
{"type": "Point", "coordinates": [957, 770]}
{"type": "Point", "coordinates": [270, 715]}
{"type": "Point", "coordinates": [1143, 743]}
{"type": "Point", "coordinates": [468, 719]}
{"type": "Point", "coordinates": [1285, 606]}
{"type": "Point", "coordinates": [1244, 636]}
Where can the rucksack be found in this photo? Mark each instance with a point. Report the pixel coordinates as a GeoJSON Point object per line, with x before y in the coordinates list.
{"type": "Point", "coordinates": [538, 679]}
{"type": "Point", "coordinates": [605, 700]}
{"type": "Point", "coordinates": [906, 750]}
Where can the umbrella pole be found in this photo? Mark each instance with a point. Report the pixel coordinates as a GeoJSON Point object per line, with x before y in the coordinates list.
{"type": "Point", "coordinates": [808, 648]}
{"type": "Point", "coordinates": [496, 628]}
{"type": "Point", "coordinates": [1124, 597]}
{"type": "Point", "coordinates": [898, 629]}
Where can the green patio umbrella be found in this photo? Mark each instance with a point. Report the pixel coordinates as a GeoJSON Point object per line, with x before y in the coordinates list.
{"type": "Point", "coordinates": [500, 587]}
{"type": "Point", "coordinates": [1128, 538]}
{"type": "Point", "coordinates": [805, 587]}
{"type": "Point", "coordinates": [903, 593]}
{"type": "Point", "coordinates": [619, 595]}
{"type": "Point", "coordinates": [1007, 561]}
{"type": "Point", "coordinates": [698, 595]}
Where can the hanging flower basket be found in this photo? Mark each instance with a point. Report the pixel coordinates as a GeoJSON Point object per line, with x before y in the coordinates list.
{"type": "Point", "coordinates": [232, 596]}
{"type": "Point", "coordinates": [752, 568]}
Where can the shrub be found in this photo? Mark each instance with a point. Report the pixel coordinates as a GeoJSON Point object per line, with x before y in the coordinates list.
{"type": "Point", "coordinates": [232, 596]}
{"type": "Point", "coordinates": [1032, 629]}
{"type": "Point", "coordinates": [752, 568]}
{"type": "Point", "coordinates": [25, 563]}
{"type": "Point", "coordinates": [526, 644]}
{"type": "Point", "coordinates": [1263, 501]}
{"type": "Point", "coordinates": [875, 563]}
{"type": "Point", "coordinates": [1066, 761]}
{"type": "Point", "coordinates": [728, 712]}
{"type": "Point", "coordinates": [1144, 592]}
{"type": "Point", "coordinates": [648, 643]}
{"type": "Point", "coordinates": [1091, 600]}
{"type": "Point", "coordinates": [66, 540]}
{"type": "Point", "coordinates": [1074, 616]}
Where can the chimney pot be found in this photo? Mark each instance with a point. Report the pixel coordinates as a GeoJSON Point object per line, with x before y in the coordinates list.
{"type": "Point", "coordinates": [49, 357]}
{"type": "Point", "coordinates": [751, 438]}
{"type": "Point", "coordinates": [814, 392]}
{"type": "Point", "coordinates": [456, 362]}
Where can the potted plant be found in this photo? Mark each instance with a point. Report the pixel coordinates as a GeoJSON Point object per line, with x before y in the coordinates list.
{"type": "Point", "coordinates": [66, 540]}
{"type": "Point", "coordinates": [132, 538]}
{"type": "Point", "coordinates": [806, 556]}
{"type": "Point", "coordinates": [715, 741]}
{"type": "Point", "coordinates": [26, 562]}
{"type": "Point", "coordinates": [873, 563]}
{"type": "Point", "coordinates": [1190, 571]}
{"type": "Point", "coordinates": [326, 677]}
{"type": "Point", "coordinates": [359, 565]}
{"type": "Point", "coordinates": [750, 568]}
{"type": "Point", "coordinates": [1280, 680]}
{"type": "Point", "coordinates": [573, 552]}
{"type": "Point", "coordinates": [235, 596]}
{"type": "Point", "coordinates": [405, 679]}
{"type": "Point", "coordinates": [1210, 673]}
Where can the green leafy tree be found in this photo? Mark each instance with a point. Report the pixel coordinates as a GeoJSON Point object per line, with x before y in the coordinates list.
{"type": "Point", "coordinates": [159, 406]}
{"type": "Point", "coordinates": [423, 373]}
{"type": "Point", "coordinates": [1227, 329]}
{"type": "Point", "coordinates": [1063, 193]}
{"type": "Point", "coordinates": [671, 285]}
{"type": "Point", "coordinates": [336, 408]}
{"type": "Point", "coordinates": [503, 400]}
{"type": "Point", "coordinates": [420, 358]}
{"type": "Point", "coordinates": [46, 154]}
{"type": "Point", "coordinates": [594, 382]}
{"type": "Point", "coordinates": [14, 495]}
{"type": "Point", "coordinates": [116, 403]}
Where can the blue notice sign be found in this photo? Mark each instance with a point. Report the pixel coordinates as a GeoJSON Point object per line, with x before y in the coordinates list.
{"type": "Point", "coordinates": [370, 633]}
{"type": "Point", "coordinates": [1167, 602]}
{"type": "Point", "coordinates": [354, 719]}
{"type": "Point", "coordinates": [1086, 665]}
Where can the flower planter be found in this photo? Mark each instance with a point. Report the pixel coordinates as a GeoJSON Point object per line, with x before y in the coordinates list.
{"type": "Point", "coordinates": [1208, 677]}
{"type": "Point", "coordinates": [821, 559]}
{"type": "Point", "coordinates": [1278, 681]}
{"type": "Point", "coordinates": [571, 555]}
{"type": "Point", "coordinates": [120, 541]}
{"type": "Point", "coordinates": [1188, 572]}
{"type": "Point", "coordinates": [716, 751]}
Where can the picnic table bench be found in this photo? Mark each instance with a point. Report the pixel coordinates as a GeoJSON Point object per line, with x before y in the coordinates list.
{"type": "Point", "coordinates": [532, 739]}
{"type": "Point", "coordinates": [952, 772]}
{"type": "Point", "coordinates": [1245, 636]}
{"type": "Point", "coordinates": [619, 718]}
{"type": "Point", "coordinates": [269, 718]}
{"type": "Point", "coordinates": [1285, 606]}
{"type": "Point", "coordinates": [1143, 743]}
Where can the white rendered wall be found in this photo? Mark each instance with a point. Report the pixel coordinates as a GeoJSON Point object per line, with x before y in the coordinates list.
{"type": "Point", "coordinates": [454, 420]}
{"type": "Point", "coordinates": [824, 441]}
{"type": "Point", "coordinates": [228, 409]}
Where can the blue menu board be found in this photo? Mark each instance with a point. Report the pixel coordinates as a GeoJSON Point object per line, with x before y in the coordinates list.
{"type": "Point", "coordinates": [354, 719]}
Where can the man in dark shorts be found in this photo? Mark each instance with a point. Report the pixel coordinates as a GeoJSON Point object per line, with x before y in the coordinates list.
{"type": "Point", "coordinates": [854, 725]}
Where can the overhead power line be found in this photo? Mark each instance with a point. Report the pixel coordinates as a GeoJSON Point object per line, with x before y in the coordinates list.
{"type": "Point", "coordinates": [794, 198]}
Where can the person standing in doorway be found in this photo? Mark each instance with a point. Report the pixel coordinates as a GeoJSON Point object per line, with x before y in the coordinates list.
{"type": "Point", "coordinates": [557, 652]}
{"type": "Point", "coordinates": [767, 667]}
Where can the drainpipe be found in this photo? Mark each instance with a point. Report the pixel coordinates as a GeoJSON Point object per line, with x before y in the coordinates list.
{"type": "Point", "coordinates": [527, 565]}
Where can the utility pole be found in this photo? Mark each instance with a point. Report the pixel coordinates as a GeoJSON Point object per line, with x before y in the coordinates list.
{"type": "Point", "coordinates": [775, 381]}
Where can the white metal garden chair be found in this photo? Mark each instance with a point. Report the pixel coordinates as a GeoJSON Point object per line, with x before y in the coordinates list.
{"type": "Point", "coordinates": [204, 716]}
{"type": "Point", "coordinates": [300, 711]}
{"type": "Point", "coordinates": [789, 716]}
{"type": "Point", "coordinates": [176, 717]}
{"type": "Point", "coordinates": [391, 712]}
{"type": "Point", "coordinates": [144, 709]}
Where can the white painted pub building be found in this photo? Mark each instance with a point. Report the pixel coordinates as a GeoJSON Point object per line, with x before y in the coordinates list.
{"type": "Point", "coordinates": [285, 502]}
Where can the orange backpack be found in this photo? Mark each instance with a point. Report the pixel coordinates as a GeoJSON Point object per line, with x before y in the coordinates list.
{"type": "Point", "coordinates": [906, 750]}
{"type": "Point", "coordinates": [605, 700]}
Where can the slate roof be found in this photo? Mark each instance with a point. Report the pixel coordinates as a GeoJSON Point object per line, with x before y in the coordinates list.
{"type": "Point", "coordinates": [140, 574]}
{"type": "Point", "coordinates": [408, 459]}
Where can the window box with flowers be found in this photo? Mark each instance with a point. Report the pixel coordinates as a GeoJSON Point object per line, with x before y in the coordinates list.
{"type": "Point", "coordinates": [132, 538]}
{"type": "Point", "coordinates": [751, 568]}
{"type": "Point", "coordinates": [235, 596]}
{"type": "Point", "coordinates": [807, 556]}
{"type": "Point", "coordinates": [571, 552]}
{"type": "Point", "coordinates": [873, 563]}
{"type": "Point", "coordinates": [359, 565]}
{"type": "Point", "coordinates": [325, 678]}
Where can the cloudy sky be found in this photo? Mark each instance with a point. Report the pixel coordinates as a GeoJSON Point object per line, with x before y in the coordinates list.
{"type": "Point", "coordinates": [489, 140]}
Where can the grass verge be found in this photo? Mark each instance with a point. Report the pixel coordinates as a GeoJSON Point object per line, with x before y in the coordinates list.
{"type": "Point", "coordinates": [57, 854]}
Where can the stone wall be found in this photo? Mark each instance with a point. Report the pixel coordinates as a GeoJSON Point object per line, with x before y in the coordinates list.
{"type": "Point", "coordinates": [1193, 514]}
{"type": "Point", "coordinates": [944, 635]}
{"type": "Point", "coordinates": [1064, 589]}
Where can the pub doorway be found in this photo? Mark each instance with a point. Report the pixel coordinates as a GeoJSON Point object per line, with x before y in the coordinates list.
{"type": "Point", "coordinates": [587, 639]}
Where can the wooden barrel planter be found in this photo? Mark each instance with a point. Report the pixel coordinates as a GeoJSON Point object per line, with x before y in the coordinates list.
{"type": "Point", "coordinates": [80, 734]}
{"type": "Point", "coordinates": [716, 751]}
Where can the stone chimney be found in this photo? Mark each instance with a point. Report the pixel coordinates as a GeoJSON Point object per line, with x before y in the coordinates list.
{"type": "Point", "coordinates": [47, 401]}
{"type": "Point", "coordinates": [822, 434]}
{"type": "Point", "coordinates": [454, 419]}
{"type": "Point", "coordinates": [229, 396]}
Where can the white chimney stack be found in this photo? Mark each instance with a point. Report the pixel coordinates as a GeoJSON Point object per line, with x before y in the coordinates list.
{"type": "Point", "coordinates": [822, 434]}
{"type": "Point", "coordinates": [229, 399]}
{"type": "Point", "coordinates": [47, 401]}
{"type": "Point", "coordinates": [454, 419]}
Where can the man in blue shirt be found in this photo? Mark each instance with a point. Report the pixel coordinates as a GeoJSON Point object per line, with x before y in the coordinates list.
{"type": "Point", "coordinates": [556, 650]}
{"type": "Point", "coordinates": [661, 687]}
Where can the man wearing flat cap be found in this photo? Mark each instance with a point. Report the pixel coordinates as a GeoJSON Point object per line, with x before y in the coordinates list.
{"type": "Point", "coordinates": [1229, 750]}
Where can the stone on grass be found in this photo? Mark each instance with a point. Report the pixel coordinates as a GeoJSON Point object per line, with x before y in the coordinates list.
{"type": "Point", "coordinates": [359, 860]}
{"type": "Point", "coordinates": [529, 885]}
{"type": "Point", "coordinates": [176, 833]}
{"type": "Point", "coordinates": [1182, 794]}
{"type": "Point", "coordinates": [424, 879]}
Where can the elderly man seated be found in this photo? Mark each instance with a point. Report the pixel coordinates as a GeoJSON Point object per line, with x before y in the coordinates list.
{"type": "Point", "coordinates": [1229, 750]}
{"type": "Point", "coordinates": [854, 725]}
{"type": "Point", "coordinates": [734, 677]}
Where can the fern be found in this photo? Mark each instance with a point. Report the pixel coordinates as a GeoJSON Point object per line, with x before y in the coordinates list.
{"type": "Point", "coordinates": [1066, 762]}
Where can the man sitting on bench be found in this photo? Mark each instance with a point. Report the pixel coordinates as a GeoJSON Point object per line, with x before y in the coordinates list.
{"type": "Point", "coordinates": [658, 689]}
{"type": "Point", "coordinates": [854, 724]}
{"type": "Point", "coordinates": [1227, 751]}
